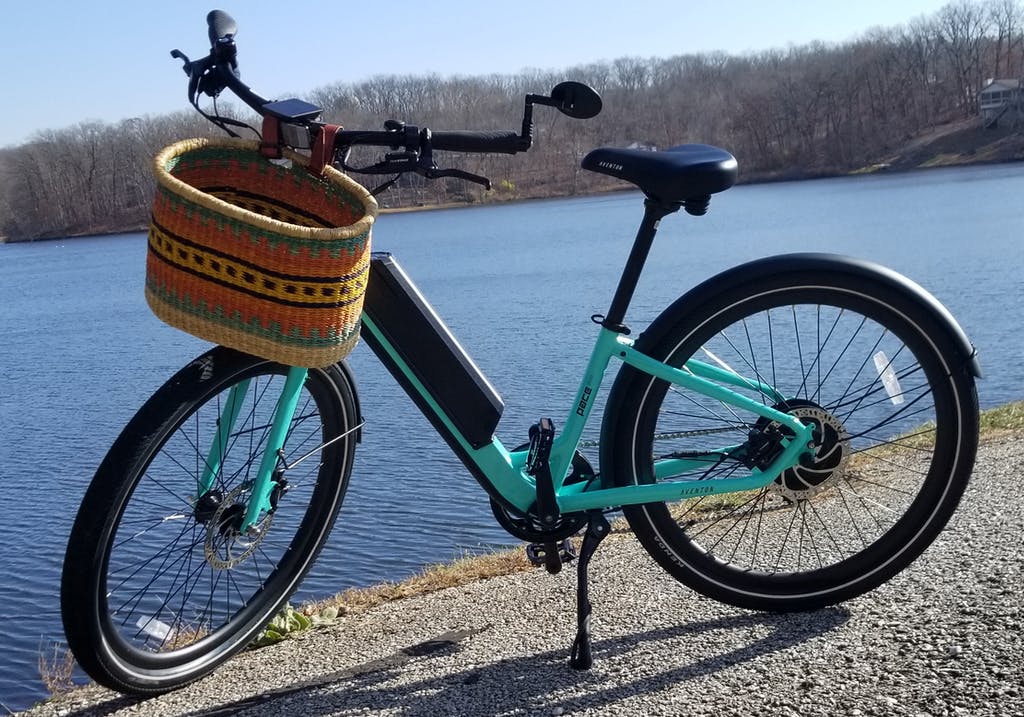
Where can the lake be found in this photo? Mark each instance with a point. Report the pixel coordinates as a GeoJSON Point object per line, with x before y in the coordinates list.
{"type": "Point", "coordinates": [80, 350]}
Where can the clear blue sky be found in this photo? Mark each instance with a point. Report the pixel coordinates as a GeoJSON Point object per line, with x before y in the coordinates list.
{"type": "Point", "coordinates": [65, 62]}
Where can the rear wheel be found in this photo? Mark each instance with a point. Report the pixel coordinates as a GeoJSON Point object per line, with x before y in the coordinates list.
{"type": "Point", "coordinates": [160, 587]}
{"type": "Point", "coordinates": [895, 419]}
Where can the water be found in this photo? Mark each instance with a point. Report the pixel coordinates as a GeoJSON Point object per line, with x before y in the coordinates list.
{"type": "Point", "coordinates": [80, 350]}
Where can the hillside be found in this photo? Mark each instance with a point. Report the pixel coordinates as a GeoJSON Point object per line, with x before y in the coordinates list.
{"type": "Point", "coordinates": [959, 143]}
{"type": "Point", "coordinates": [956, 144]}
{"type": "Point", "coordinates": [863, 105]}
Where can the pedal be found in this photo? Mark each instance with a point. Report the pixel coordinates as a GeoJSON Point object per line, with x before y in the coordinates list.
{"type": "Point", "coordinates": [551, 555]}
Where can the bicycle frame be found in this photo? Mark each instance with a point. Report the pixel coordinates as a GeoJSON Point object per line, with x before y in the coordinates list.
{"type": "Point", "coordinates": [839, 484]}
{"type": "Point", "coordinates": [500, 471]}
{"type": "Point", "coordinates": [410, 339]}
{"type": "Point", "coordinates": [504, 470]}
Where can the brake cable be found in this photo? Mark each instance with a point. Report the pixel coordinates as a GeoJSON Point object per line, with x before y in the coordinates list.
{"type": "Point", "coordinates": [201, 74]}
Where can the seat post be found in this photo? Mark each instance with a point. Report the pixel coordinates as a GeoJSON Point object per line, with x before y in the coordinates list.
{"type": "Point", "coordinates": [654, 212]}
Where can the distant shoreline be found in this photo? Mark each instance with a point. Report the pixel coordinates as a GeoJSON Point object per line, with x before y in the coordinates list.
{"type": "Point", "coordinates": [796, 175]}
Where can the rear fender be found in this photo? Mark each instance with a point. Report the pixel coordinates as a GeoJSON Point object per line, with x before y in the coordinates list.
{"type": "Point", "coordinates": [831, 263]}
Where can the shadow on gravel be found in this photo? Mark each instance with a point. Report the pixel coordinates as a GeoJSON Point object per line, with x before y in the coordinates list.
{"type": "Point", "coordinates": [105, 707]}
{"type": "Point", "coordinates": [623, 667]}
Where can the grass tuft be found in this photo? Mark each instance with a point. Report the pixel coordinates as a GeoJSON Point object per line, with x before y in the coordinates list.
{"type": "Point", "coordinates": [462, 571]}
{"type": "Point", "coordinates": [56, 668]}
{"type": "Point", "coordinates": [1006, 420]}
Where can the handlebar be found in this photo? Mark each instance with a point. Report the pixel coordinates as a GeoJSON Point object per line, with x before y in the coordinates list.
{"type": "Point", "coordinates": [295, 123]}
{"type": "Point", "coordinates": [464, 141]}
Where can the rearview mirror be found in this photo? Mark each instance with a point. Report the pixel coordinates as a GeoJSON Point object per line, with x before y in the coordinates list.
{"type": "Point", "coordinates": [576, 100]}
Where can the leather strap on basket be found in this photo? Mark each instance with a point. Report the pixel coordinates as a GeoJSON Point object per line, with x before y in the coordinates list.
{"type": "Point", "coordinates": [323, 148]}
{"type": "Point", "coordinates": [270, 146]}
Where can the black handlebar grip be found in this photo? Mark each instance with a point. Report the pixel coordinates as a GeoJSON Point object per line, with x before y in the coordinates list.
{"type": "Point", "coordinates": [499, 142]}
{"type": "Point", "coordinates": [221, 25]}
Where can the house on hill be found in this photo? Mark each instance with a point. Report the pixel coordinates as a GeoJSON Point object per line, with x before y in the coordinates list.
{"type": "Point", "coordinates": [1002, 103]}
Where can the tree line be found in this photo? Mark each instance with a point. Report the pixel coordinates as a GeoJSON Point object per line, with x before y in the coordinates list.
{"type": "Point", "coordinates": [804, 110]}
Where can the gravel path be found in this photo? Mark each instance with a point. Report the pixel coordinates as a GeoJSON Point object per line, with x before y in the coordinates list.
{"type": "Point", "coordinates": [946, 637]}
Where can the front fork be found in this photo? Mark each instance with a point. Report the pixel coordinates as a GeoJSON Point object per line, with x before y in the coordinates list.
{"type": "Point", "coordinates": [263, 484]}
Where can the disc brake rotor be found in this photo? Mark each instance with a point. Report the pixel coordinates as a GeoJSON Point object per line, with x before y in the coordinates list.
{"type": "Point", "coordinates": [225, 545]}
{"type": "Point", "coordinates": [826, 466]}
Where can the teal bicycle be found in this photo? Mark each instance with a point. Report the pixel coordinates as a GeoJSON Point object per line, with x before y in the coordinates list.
{"type": "Point", "coordinates": [789, 434]}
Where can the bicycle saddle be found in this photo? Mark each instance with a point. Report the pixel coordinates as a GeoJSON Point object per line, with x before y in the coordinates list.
{"type": "Point", "coordinates": [674, 175]}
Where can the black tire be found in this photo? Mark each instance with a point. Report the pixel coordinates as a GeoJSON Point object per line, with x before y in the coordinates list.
{"type": "Point", "coordinates": [893, 462]}
{"type": "Point", "coordinates": [153, 593]}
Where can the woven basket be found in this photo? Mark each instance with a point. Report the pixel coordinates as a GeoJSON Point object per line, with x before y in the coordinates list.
{"type": "Point", "coordinates": [258, 256]}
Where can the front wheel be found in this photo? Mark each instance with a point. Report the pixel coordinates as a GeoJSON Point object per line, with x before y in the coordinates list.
{"type": "Point", "coordinates": [877, 371]}
{"type": "Point", "coordinates": [159, 585]}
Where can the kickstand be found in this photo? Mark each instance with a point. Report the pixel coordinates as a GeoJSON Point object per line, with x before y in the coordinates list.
{"type": "Point", "coordinates": [597, 530]}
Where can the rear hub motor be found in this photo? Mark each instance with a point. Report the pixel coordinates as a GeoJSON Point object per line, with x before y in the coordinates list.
{"type": "Point", "coordinates": [826, 464]}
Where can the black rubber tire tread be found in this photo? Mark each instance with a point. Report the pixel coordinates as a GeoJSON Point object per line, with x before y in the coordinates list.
{"type": "Point", "coordinates": [675, 336]}
{"type": "Point", "coordinates": [90, 632]}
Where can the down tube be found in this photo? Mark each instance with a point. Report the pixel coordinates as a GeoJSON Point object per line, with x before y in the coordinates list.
{"type": "Point", "coordinates": [489, 464]}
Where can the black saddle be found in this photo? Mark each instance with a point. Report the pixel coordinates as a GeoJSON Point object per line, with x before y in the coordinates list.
{"type": "Point", "coordinates": [689, 172]}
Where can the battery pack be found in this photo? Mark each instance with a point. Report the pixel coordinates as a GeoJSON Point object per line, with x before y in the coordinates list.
{"type": "Point", "coordinates": [413, 339]}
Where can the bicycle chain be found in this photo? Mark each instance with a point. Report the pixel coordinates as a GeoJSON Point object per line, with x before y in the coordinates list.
{"type": "Point", "coordinates": [667, 436]}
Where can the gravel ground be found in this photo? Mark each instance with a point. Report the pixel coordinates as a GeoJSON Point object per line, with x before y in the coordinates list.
{"type": "Point", "coordinates": [945, 637]}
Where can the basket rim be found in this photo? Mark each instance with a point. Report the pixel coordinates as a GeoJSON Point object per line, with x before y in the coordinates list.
{"type": "Point", "coordinates": [332, 175]}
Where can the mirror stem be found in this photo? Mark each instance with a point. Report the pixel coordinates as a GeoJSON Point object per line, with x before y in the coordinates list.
{"type": "Point", "coordinates": [526, 135]}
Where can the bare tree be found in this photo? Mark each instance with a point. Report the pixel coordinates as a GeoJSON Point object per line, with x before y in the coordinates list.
{"type": "Point", "coordinates": [1007, 18]}
{"type": "Point", "coordinates": [961, 28]}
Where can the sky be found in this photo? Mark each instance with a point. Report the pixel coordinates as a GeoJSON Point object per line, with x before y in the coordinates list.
{"type": "Point", "coordinates": [68, 62]}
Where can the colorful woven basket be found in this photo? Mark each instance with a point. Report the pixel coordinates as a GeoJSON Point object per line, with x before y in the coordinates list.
{"type": "Point", "coordinates": [264, 257]}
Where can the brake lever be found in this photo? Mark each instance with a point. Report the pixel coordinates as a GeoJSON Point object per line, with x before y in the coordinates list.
{"type": "Point", "coordinates": [408, 161]}
{"type": "Point", "coordinates": [179, 55]}
{"type": "Point", "coordinates": [426, 166]}
{"type": "Point", "coordinates": [393, 163]}
{"type": "Point", "coordinates": [399, 164]}
{"type": "Point", "coordinates": [196, 71]}
{"type": "Point", "coordinates": [438, 173]}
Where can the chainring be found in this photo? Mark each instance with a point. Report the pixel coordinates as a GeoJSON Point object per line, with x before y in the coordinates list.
{"type": "Point", "coordinates": [529, 529]}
